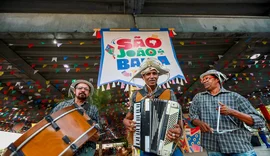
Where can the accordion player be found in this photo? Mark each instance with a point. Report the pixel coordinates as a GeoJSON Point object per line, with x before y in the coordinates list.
{"type": "Point", "coordinates": [154, 117]}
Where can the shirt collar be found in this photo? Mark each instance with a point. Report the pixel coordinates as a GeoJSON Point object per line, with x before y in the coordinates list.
{"type": "Point", "coordinates": [145, 88]}
{"type": "Point", "coordinates": [222, 90]}
{"type": "Point", "coordinates": [85, 105]}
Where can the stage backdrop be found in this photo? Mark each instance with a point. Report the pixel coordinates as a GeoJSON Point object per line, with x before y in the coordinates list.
{"type": "Point", "coordinates": [123, 53]}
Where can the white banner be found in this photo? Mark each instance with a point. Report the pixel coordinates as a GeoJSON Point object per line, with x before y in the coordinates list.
{"type": "Point", "coordinates": [123, 53]}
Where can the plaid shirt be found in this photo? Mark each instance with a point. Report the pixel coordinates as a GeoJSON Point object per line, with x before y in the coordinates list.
{"type": "Point", "coordinates": [204, 107]}
{"type": "Point", "coordinates": [91, 111]}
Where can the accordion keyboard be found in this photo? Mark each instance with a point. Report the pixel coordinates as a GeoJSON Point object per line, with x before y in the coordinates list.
{"type": "Point", "coordinates": [137, 119]}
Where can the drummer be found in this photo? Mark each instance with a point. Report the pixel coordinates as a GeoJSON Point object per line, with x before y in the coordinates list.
{"type": "Point", "coordinates": [83, 91]}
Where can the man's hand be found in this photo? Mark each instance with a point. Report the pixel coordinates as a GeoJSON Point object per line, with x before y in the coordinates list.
{"type": "Point", "coordinates": [203, 126]}
{"type": "Point", "coordinates": [129, 124]}
{"type": "Point", "coordinates": [174, 134]}
{"type": "Point", "coordinates": [224, 109]}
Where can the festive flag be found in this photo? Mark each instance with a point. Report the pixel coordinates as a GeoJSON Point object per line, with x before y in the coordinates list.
{"type": "Point", "coordinates": [30, 45]}
{"type": "Point", "coordinates": [54, 59]}
{"type": "Point", "coordinates": [59, 44]}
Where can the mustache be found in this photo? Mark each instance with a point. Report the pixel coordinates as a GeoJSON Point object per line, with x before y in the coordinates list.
{"type": "Point", "coordinates": [82, 94]}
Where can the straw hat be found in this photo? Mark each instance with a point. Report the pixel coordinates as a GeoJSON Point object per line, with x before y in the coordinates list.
{"type": "Point", "coordinates": [74, 84]}
{"type": "Point", "coordinates": [150, 63]}
{"type": "Point", "coordinates": [222, 78]}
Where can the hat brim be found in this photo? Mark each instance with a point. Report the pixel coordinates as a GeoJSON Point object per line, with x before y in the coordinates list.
{"type": "Point", "coordinates": [150, 62]}
{"type": "Point", "coordinates": [221, 77]}
{"type": "Point", "coordinates": [74, 84]}
{"type": "Point", "coordinates": [138, 73]}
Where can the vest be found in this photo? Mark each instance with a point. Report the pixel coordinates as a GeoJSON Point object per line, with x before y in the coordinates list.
{"type": "Point", "coordinates": [163, 94]}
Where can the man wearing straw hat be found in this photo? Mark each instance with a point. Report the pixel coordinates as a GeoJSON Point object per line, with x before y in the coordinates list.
{"type": "Point", "coordinates": [149, 71]}
{"type": "Point", "coordinates": [221, 115]}
{"type": "Point", "coordinates": [83, 91]}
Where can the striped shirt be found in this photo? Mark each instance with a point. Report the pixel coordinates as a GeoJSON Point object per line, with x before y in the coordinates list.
{"type": "Point", "coordinates": [204, 107]}
{"type": "Point", "coordinates": [91, 111]}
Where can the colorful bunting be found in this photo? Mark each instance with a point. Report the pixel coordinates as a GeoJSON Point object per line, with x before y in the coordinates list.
{"type": "Point", "coordinates": [59, 44]}
{"type": "Point", "coordinates": [54, 59]}
{"type": "Point", "coordinates": [30, 45]}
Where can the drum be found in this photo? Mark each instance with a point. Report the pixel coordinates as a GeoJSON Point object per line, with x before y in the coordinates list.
{"type": "Point", "coordinates": [61, 133]}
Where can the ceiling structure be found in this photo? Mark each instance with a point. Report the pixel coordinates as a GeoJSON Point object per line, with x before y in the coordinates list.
{"type": "Point", "coordinates": [221, 35]}
{"type": "Point", "coordinates": [162, 7]}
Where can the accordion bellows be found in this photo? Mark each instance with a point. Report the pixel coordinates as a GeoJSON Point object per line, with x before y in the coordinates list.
{"type": "Point", "coordinates": [154, 117]}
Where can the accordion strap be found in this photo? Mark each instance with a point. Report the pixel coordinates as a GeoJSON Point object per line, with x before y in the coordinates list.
{"type": "Point", "coordinates": [163, 94]}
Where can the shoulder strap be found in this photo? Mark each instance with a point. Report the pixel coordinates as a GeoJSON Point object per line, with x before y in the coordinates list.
{"type": "Point", "coordinates": [139, 95]}
{"type": "Point", "coordinates": [161, 94]}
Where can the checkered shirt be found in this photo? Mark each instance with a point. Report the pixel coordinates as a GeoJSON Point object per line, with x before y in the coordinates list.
{"type": "Point", "coordinates": [204, 107]}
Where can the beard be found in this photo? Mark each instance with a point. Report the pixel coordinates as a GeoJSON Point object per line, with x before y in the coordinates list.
{"type": "Point", "coordinates": [82, 96]}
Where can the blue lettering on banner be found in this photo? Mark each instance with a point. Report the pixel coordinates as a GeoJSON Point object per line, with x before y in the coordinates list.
{"type": "Point", "coordinates": [125, 64]}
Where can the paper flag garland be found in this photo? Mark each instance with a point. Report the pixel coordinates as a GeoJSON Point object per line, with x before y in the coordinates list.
{"type": "Point", "coordinates": [54, 59]}
{"type": "Point", "coordinates": [127, 88]}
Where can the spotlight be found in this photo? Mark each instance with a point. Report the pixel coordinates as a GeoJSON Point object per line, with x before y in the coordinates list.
{"type": "Point", "coordinates": [55, 41]}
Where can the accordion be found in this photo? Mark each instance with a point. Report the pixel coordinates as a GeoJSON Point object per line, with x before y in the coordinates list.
{"type": "Point", "coordinates": [154, 117]}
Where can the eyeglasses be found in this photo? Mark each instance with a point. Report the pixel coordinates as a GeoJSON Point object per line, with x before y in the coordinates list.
{"type": "Point", "coordinates": [85, 88]}
{"type": "Point", "coordinates": [206, 78]}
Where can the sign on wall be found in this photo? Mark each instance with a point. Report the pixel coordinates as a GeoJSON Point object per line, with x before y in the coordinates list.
{"type": "Point", "coordinates": [123, 53]}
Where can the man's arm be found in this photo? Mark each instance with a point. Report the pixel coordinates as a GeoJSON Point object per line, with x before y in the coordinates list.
{"type": "Point", "coordinates": [246, 113]}
{"type": "Point", "coordinates": [96, 136]}
{"type": "Point", "coordinates": [195, 116]}
{"type": "Point", "coordinates": [225, 110]}
{"type": "Point", "coordinates": [128, 122]}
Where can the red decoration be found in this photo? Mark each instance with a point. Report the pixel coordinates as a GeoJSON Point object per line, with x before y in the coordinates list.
{"type": "Point", "coordinates": [85, 65]}
{"type": "Point", "coordinates": [98, 35]}
{"type": "Point", "coordinates": [55, 65]}
{"type": "Point", "coordinates": [30, 45]}
{"type": "Point", "coordinates": [8, 83]}
{"type": "Point", "coordinates": [40, 59]}
{"type": "Point", "coordinates": [12, 72]}
{"type": "Point", "coordinates": [171, 33]}
{"type": "Point", "coordinates": [264, 112]}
